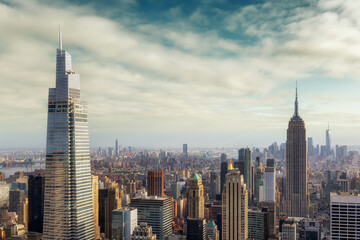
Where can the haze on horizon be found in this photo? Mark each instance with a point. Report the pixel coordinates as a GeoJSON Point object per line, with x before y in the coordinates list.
{"type": "Point", "coordinates": [163, 73]}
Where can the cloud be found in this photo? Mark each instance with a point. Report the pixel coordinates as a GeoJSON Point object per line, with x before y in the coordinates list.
{"type": "Point", "coordinates": [146, 83]}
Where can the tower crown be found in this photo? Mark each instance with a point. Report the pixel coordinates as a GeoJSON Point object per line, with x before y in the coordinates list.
{"type": "Point", "coordinates": [296, 116]}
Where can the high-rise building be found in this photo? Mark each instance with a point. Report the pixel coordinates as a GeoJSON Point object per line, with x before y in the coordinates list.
{"type": "Point", "coordinates": [103, 195]}
{"type": "Point", "coordinates": [124, 221]}
{"type": "Point", "coordinates": [270, 180]}
{"type": "Point", "coordinates": [196, 198]}
{"type": "Point", "coordinates": [116, 148]}
{"type": "Point", "coordinates": [296, 198]}
{"type": "Point", "coordinates": [185, 150]}
{"type": "Point", "coordinates": [143, 232]}
{"type": "Point", "coordinates": [112, 202]}
{"type": "Point", "coordinates": [234, 207]}
{"type": "Point", "coordinates": [155, 183]}
{"type": "Point", "coordinates": [312, 230]}
{"type": "Point", "coordinates": [175, 190]}
{"type": "Point", "coordinates": [36, 186]}
{"type": "Point", "coordinates": [213, 185]}
{"type": "Point", "coordinates": [22, 211]}
{"type": "Point", "coordinates": [328, 141]}
{"type": "Point", "coordinates": [4, 194]}
{"type": "Point", "coordinates": [288, 231]}
{"type": "Point", "coordinates": [196, 229]}
{"type": "Point", "coordinates": [156, 212]}
{"type": "Point", "coordinates": [68, 202]}
{"type": "Point", "coordinates": [311, 151]}
{"type": "Point", "coordinates": [95, 200]}
{"type": "Point", "coordinates": [212, 231]}
{"type": "Point", "coordinates": [344, 216]}
{"type": "Point", "coordinates": [258, 225]}
{"type": "Point", "coordinates": [223, 172]}
{"type": "Point", "coordinates": [271, 210]}
{"type": "Point", "coordinates": [245, 158]}
{"type": "Point", "coordinates": [15, 197]}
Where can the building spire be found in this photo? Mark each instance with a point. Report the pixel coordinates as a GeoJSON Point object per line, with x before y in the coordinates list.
{"type": "Point", "coordinates": [60, 39]}
{"type": "Point", "coordinates": [296, 113]}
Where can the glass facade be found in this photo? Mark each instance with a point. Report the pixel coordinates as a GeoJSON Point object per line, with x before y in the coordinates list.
{"type": "Point", "coordinates": [68, 210]}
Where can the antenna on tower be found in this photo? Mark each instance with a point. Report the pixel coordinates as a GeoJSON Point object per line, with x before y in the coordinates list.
{"type": "Point", "coordinates": [60, 39]}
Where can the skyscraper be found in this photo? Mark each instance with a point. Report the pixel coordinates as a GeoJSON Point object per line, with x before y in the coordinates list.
{"type": "Point", "coordinates": [15, 197]}
{"type": "Point", "coordinates": [296, 199]}
{"type": "Point", "coordinates": [124, 221]}
{"type": "Point", "coordinates": [155, 211]}
{"type": "Point", "coordinates": [235, 207]}
{"type": "Point", "coordinates": [223, 172]}
{"type": "Point", "coordinates": [155, 183]}
{"type": "Point", "coordinates": [112, 202]}
{"type": "Point", "coordinates": [328, 141]}
{"type": "Point", "coordinates": [95, 198]}
{"type": "Point", "coordinates": [196, 198]}
{"type": "Point", "coordinates": [185, 149]}
{"type": "Point", "coordinates": [68, 200]}
{"type": "Point", "coordinates": [116, 148]}
{"type": "Point", "coordinates": [245, 158]}
{"type": "Point", "coordinates": [36, 203]}
{"type": "Point", "coordinates": [270, 180]}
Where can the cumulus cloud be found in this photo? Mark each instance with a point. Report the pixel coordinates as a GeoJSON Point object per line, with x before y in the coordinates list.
{"type": "Point", "coordinates": [168, 83]}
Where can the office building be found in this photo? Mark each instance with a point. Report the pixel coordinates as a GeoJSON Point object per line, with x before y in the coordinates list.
{"type": "Point", "coordinates": [312, 230]}
{"type": "Point", "coordinates": [4, 193]}
{"type": "Point", "coordinates": [311, 150]}
{"type": "Point", "coordinates": [15, 197]}
{"type": "Point", "coordinates": [155, 183]}
{"type": "Point", "coordinates": [344, 216]}
{"type": "Point", "coordinates": [223, 172]}
{"type": "Point", "coordinates": [112, 202]}
{"type": "Point", "coordinates": [234, 207]}
{"type": "Point", "coordinates": [124, 221]}
{"type": "Point", "coordinates": [296, 197]}
{"type": "Point", "coordinates": [116, 148]}
{"type": "Point", "coordinates": [270, 180]}
{"type": "Point", "coordinates": [213, 185]}
{"type": "Point", "coordinates": [288, 231]}
{"type": "Point", "coordinates": [103, 194]}
{"type": "Point", "coordinates": [95, 200]}
{"type": "Point", "coordinates": [36, 186]}
{"type": "Point", "coordinates": [156, 212]}
{"type": "Point", "coordinates": [258, 224]}
{"type": "Point", "coordinates": [143, 232]}
{"type": "Point", "coordinates": [22, 211]}
{"type": "Point", "coordinates": [196, 229]}
{"type": "Point", "coordinates": [212, 231]}
{"type": "Point", "coordinates": [196, 198]}
{"type": "Point", "coordinates": [271, 211]}
{"type": "Point", "coordinates": [68, 173]}
{"type": "Point", "coordinates": [175, 190]}
{"type": "Point", "coordinates": [245, 158]}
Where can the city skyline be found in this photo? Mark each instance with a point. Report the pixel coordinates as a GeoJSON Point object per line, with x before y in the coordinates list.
{"type": "Point", "coordinates": [158, 98]}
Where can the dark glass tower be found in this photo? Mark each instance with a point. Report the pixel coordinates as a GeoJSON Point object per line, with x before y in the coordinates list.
{"type": "Point", "coordinates": [296, 199]}
{"type": "Point", "coordinates": [36, 203]}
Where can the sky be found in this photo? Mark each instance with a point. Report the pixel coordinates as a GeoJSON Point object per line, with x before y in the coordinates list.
{"type": "Point", "coordinates": [210, 73]}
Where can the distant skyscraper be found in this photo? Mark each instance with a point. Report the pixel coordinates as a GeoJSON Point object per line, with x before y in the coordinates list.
{"type": "Point", "coordinates": [156, 212]}
{"type": "Point", "coordinates": [245, 157]}
{"type": "Point", "coordinates": [116, 148]}
{"type": "Point", "coordinates": [68, 173]}
{"type": "Point", "coordinates": [22, 211]}
{"type": "Point", "coordinates": [310, 147]}
{"type": "Point", "coordinates": [235, 207]}
{"type": "Point", "coordinates": [270, 180]}
{"type": "Point", "coordinates": [223, 172]}
{"type": "Point", "coordinates": [175, 190]}
{"type": "Point", "coordinates": [36, 186]}
{"type": "Point", "coordinates": [296, 198]}
{"type": "Point", "coordinates": [196, 198]}
{"type": "Point", "coordinates": [328, 141]}
{"type": "Point", "coordinates": [185, 150]}
{"type": "Point", "coordinates": [155, 183]}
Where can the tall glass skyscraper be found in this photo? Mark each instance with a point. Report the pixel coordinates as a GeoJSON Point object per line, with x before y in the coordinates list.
{"type": "Point", "coordinates": [68, 210]}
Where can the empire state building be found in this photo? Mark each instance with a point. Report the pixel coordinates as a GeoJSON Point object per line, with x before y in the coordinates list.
{"type": "Point", "coordinates": [296, 198]}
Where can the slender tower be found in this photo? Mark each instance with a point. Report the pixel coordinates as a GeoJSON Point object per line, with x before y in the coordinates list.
{"type": "Point", "coordinates": [296, 199]}
{"type": "Point", "coordinates": [68, 209]}
{"type": "Point", "coordinates": [328, 141]}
